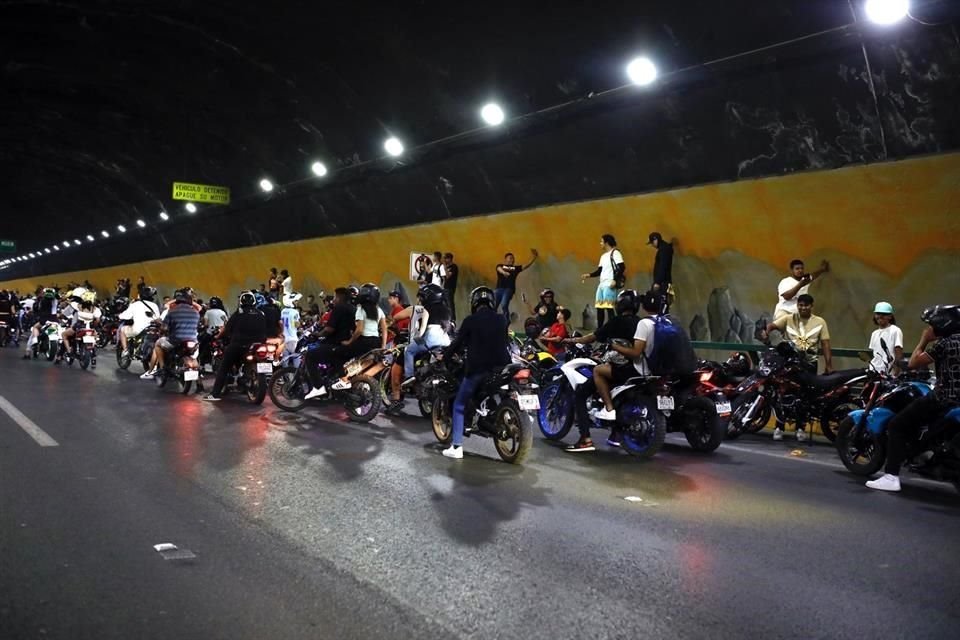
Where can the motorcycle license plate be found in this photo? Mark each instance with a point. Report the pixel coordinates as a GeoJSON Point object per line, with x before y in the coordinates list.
{"type": "Point", "coordinates": [191, 374]}
{"type": "Point", "coordinates": [723, 408]}
{"type": "Point", "coordinates": [354, 369]}
{"type": "Point", "coordinates": [264, 367]}
{"type": "Point", "coordinates": [529, 403]}
{"type": "Point", "coordinates": [665, 403]}
{"type": "Point", "coordinates": [89, 339]}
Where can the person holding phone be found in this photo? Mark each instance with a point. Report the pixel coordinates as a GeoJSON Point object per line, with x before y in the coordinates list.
{"type": "Point", "coordinates": [795, 285]}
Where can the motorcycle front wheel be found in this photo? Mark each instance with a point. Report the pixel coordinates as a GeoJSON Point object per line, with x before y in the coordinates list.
{"type": "Point", "coordinates": [555, 417]}
{"type": "Point", "coordinates": [514, 437]}
{"type": "Point", "coordinates": [736, 426]}
{"type": "Point", "coordinates": [287, 390]}
{"type": "Point", "coordinates": [441, 419]}
{"type": "Point", "coordinates": [363, 399]}
{"type": "Point", "coordinates": [833, 416]}
{"type": "Point", "coordinates": [703, 428]}
{"type": "Point", "coordinates": [861, 451]}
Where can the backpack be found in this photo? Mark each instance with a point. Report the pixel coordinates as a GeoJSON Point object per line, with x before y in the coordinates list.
{"type": "Point", "coordinates": [672, 351]}
{"type": "Point", "coordinates": [619, 274]}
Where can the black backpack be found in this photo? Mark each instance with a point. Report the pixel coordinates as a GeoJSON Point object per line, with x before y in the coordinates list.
{"type": "Point", "coordinates": [672, 351]}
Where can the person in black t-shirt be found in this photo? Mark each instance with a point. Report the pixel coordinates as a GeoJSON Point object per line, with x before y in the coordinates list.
{"type": "Point", "coordinates": [339, 327]}
{"type": "Point", "coordinates": [623, 326]}
{"type": "Point", "coordinates": [451, 273]}
{"type": "Point", "coordinates": [245, 327]}
{"type": "Point", "coordinates": [507, 273]}
{"type": "Point", "coordinates": [546, 310]}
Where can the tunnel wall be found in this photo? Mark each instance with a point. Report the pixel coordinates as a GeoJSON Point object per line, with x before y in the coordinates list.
{"type": "Point", "coordinates": [888, 229]}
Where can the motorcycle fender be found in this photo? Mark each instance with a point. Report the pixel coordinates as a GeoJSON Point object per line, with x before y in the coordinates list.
{"type": "Point", "coordinates": [878, 419]}
{"type": "Point", "coordinates": [574, 377]}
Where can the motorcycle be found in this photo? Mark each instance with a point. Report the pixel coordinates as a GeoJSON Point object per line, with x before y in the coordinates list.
{"type": "Point", "coordinates": [503, 409]}
{"type": "Point", "coordinates": [139, 347]}
{"type": "Point", "coordinates": [782, 387]}
{"type": "Point", "coordinates": [524, 349]}
{"type": "Point", "coordinates": [6, 333]}
{"type": "Point", "coordinates": [85, 347]}
{"type": "Point", "coordinates": [48, 342]}
{"type": "Point", "coordinates": [718, 381]}
{"type": "Point", "coordinates": [359, 392]}
{"type": "Point", "coordinates": [176, 367]}
{"type": "Point", "coordinates": [252, 375]}
{"type": "Point", "coordinates": [427, 368]}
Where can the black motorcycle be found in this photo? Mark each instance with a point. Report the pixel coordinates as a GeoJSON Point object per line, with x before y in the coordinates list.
{"type": "Point", "coordinates": [139, 347]}
{"type": "Point", "coordinates": [176, 367]}
{"type": "Point", "coordinates": [504, 408]}
{"type": "Point", "coordinates": [427, 371]}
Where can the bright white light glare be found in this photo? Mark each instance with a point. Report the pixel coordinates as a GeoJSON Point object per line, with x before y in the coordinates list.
{"type": "Point", "coordinates": [66, 243]}
{"type": "Point", "coordinates": [105, 234]}
{"type": "Point", "coordinates": [141, 224]}
{"type": "Point", "coordinates": [121, 228]}
{"type": "Point", "coordinates": [76, 242]}
{"type": "Point", "coordinates": [393, 146]}
{"type": "Point", "coordinates": [492, 114]}
{"type": "Point", "coordinates": [192, 208]}
{"type": "Point", "coordinates": [641, 71]}
{"type": "Point", "coordinates": [164, 216]}
{"type": "Point", "coordinates": [886, 12]}
{"type": "Point", "coordinates": [266, 185]}
{"type": "Point", "coordinates": [47, 250]}
{"type": "Point", "coordinates": [89, 238]}
{"type": "Point", "coordinates": [319, 169]}
{"type": "Point", "coordinates": [56, 248]}
{"type": "Point", "coordinates": [33, 255]}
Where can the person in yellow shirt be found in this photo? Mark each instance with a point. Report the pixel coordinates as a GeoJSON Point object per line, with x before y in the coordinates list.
{"type": "Point", "coordinates": [808, 333]}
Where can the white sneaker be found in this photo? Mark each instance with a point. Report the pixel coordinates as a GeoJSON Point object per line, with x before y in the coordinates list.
{"type": "Point", "coordinates": [778, 434]}
{"type": "Point", "coordinates": [604, 414]}
{"type": "Point", "coordinates": [454, 452]}
{"type": "Point", "coordinates": [886, 482]}
{"type": "Point", "coordinates": [315, 393]}
{"type": "Point", "coordinates": [148, 375]}
{"type": "Point", "coordinates": [801, 435]}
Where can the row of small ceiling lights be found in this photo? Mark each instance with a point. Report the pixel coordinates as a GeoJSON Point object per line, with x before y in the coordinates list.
{"type": "Point", "coordinates": [641, 72]}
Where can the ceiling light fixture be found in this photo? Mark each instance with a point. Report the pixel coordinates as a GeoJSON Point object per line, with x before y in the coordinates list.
{"type": "Point", "coordinates": [266, 185]}
{"type": "Point", "coordinates": [393, 146]}
{"type": "Point", "coordinates": [66, 243]}
{"type": "Point", "coordinates": [121, 228]}
{"type": "Point", "coordinates": [105, 234]}
{"type": "Point", "coordinates": [164, 216]}
{"type": "Point", "coordinates": [47, 250]}
{"type": "Point", "coordinates": [89, 238]}
{"type": "Point", "coordinates": [141, 224]}
{"type": "Point", "coordinates": [56, 248]}
{"type": "Point", "coordinates": [887, 12]}
{"type": "Point", "coordinates": [492, 114]}
{"type": "Point", "coordinates": [642, 71]}
{"type": "Point", "coordinates": [190, 207]}
{"type": "Point", "coordinates": [319, 169]}
{"type": "Point", "coordinates": [77, 242]}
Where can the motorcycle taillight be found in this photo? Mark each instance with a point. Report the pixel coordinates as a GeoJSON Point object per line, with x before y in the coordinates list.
{"type": "Point", "coordinates": [190, 345]}
{"type": "Point", "coordinates": [705, 376]}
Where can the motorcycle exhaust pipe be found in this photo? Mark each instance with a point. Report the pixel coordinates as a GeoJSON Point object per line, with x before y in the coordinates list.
{"type": "Point", "coordinates": [753, 407]}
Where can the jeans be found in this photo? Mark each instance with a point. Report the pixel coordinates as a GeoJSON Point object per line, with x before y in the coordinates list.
{"type": "Point", "coordinates": [318, 354]}
{"type": "Point", "coordinates": [503, 298]}
{"type": "Point", "coordinates": [904, 426]}
{"type": "Point", "coordinates": [449, 295]}
{"type": "Point", "coordinates": [434, 337]}
{"type": "Point", "coordinates": [467, 388]}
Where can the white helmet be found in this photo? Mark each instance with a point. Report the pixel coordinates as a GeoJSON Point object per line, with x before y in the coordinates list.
{"type": "Point", "coordinates": [291, 299]}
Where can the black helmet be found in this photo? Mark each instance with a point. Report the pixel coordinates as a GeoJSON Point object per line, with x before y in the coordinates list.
{"type": "Point", "coordinates": [182, 296]}
{"type": "Point", "coordinates": [119, 304]}
{"type": "Point", "coordinates": [547, 292]}
{"type": "Point", "coordinates": [482, 296]}
{"type": "Point", "coordinates": [944, 318]}
{"type": "Point", "coordinates": [628, 300]}
{"type": "Point", "coordinates": [369, 294]}
{"type": "Point", "coordinates": [247, 299]}
{"type": "Point", "coordinates": [4, 296]}
{"type": "Point", "coordinates": [352, 293]}
{"type": "Point", "coordinates": [216, 303]}
{"type": "Point", "coordinates": [148, 293]}
{"type": "Point", "coordinates": [430, 294]}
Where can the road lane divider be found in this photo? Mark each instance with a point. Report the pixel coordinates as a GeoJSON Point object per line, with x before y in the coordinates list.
{"type": "Point", "coordinates": [39, 435]}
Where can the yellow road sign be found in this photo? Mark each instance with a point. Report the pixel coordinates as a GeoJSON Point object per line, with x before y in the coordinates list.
{"type": "Point", "coordinates": [201, 193]}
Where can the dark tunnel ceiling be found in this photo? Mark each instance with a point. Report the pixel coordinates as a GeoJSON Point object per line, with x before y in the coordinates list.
{"type": "Point", "coordinates": [104, 103]}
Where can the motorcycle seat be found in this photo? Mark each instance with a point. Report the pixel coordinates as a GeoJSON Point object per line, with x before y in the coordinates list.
{"type": "Point", "coordinates": [834, 379]}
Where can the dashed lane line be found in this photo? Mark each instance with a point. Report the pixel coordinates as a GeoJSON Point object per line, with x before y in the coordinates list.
{"type": "Point", "coordinates": [39, 435]}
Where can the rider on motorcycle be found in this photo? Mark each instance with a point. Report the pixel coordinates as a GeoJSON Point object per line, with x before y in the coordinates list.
{"type": "Point", "coordinates": [485, 335]}
{"type": "Point", "coordinates": [86, 316]}
{"type": "Point", "coordinates": [7, 311]}
{"type": "Point", "coordinates": [943, 331]}
{"type": "Point", "coordinates": [181, 322]}
{"type": "Point", "coordinates": [46, 311]}
{"type": "Point", "coordinates": [140, 314]}
{"type": "Point", "coordinates": [622, 327]}
{"type": "Point", "coordinates": [339, 327]}
{"type": "Point", "coordinates": [246, 327]}
{"type": "Point", "coordinates": [290, 321]}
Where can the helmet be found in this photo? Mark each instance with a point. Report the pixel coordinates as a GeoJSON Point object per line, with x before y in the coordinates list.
{"type": "Point", "coordinates": [430, 294]}
{"type": "Point", "coordinates": [352, 293]}
{"type": "Point", "coordinates": [628, 300]}
{"type": "Point", "coordinates": [49, 294]}
{"type": "Point", "coordinates": [4, 296]}
{"type": "Point", "coordinates": [369, 294]}
{"type": "Point", "coordinates": [148, 293]}
{"type": "Point", "coordinates": [883, 307]}
{"type": "Point", "coordinates": [261, 300]}
{"type": "Point", "coordinates": [247, 299]}
{"type": "Point", "coordinates": [482, 296]}
{"type": "Point", "coordinates": [290, 299]}
{"type": "Point", "coordinates": [89, 296]}
{"type": "Point", "coordinates": [546, 292]}
{"type": "Point", "coordinates": [216, 303]}
{"type": "Point", "coordinates": [945, 319]}
{"type": "Point", "coordinates": [121, 303]}
{"type": "Point", "coordinates": [182, 296]}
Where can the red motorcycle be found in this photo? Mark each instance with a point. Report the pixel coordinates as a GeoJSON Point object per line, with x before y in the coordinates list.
{"type": "Point", "coordinates": [85, 341]}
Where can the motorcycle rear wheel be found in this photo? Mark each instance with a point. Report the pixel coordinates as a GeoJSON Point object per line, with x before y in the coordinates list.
{"type": "Point", "coordinates": [257, 390]}
{"type": "Point", "coordinates": [426, 407]}
{"type": "Point", "coordinates": [861, 451]}
{"type": "Point", "coordinates": [442, 420]}
{"type": "Point", "coordinates": [85, 359]}
{"type": "Point", "coordinates": [285, 392]}
{"type": "Point", "coordinates": [52, 348]}
{"type": "Point", "coordinates": [518, 426]}
{"type": "Point", "coordinates": [643, 435]}
{"type": "Point", "coordinates": [124, 359]}
{"type": "Point", "coordinates": [185, 385]}
{"type": "Point", "coordinates": [363, 399]}
{"type": "Point", "coordinates": [160, 379]}
{"type": "Point", "coordinates": [704, 431]}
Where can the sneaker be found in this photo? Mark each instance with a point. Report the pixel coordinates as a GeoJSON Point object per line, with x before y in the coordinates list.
{"type": "Point", "coordinates": [583, 444]}
{"type": "Point", "coordinates": [886, 482]}
{"type": "Point", "coordinates": [148, 375]}
{"type": "Point", "coordinates": [394, 408]}
{"type": "Point", "coordinates": [778, 434]}
{"type": "Point", "coordinates": [211, 398]}
{"type": "Point", "coordinates": [315, 393]}
{"type": "Point", "coordinates": [614, 439]}
{"type": "Point", "coordinates": [802, 435]}
{"type": "Point", "coordinates": [604, 414]}
{"type": "Point", "coordinates": [454, 452]}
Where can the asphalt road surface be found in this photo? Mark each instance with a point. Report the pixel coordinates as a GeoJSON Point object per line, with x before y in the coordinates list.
{"type": "Point", "coordinates": [309, 526]}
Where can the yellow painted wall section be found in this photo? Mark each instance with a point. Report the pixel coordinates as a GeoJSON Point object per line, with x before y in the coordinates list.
{"type": "Point", "coordinates": [889, 230]}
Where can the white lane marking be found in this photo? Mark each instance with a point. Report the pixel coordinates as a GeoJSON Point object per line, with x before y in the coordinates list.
{"type": "Point", "coordinates": [41, 437]}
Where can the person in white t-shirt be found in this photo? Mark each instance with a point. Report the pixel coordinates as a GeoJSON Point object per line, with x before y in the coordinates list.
{"type": "Point", "coordinates": [85, 315]}
{"type": "Point", "coordinates": [286, 282]}
{"type": "Point", "coordinates": [142, 312]}
{"type": "Point", "coordinates": [437, 272]}
{"type": "Point", "coordinates": [290, 319]}
{"type": "Point", "coordinates": [796, 284]}
{"type": "Point", "coordinates": [886, 342]}
{"type": "Point", "coordinates": [371, 328]}
{"type": "Point", "coordinates": [610, 269]}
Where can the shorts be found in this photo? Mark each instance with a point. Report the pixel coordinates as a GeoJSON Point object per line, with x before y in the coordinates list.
{"type": "Point", "coordinates": [128, 331]}
{"type": "Point", "coordinates": [623, 372]}
{"type": "Point", "coordinates": [164, 343]}
{"type": "Point", "coordinates": [606, 296]}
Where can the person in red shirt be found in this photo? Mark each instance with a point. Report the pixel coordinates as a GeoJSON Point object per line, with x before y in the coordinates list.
{"type": "Point", "coordinates": [397, 326]}
{"type": "Point", "coordinates": [553, 337]}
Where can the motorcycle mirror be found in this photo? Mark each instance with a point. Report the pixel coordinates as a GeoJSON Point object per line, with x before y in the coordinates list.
{"type": "Point", "coordinates": [865, 356]}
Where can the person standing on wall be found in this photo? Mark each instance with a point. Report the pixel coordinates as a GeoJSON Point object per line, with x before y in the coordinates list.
{"type": "Point", "coordinates": [273, 284]}
{"type": "Point", "coordinates": [451, 272]}
{"type": "Point", "coordinates": [662, 269]}
{"type": "Point", "coordinates": [796, 285]}
{"type": "Point", "coordinates": [507, 273]}
{"type": "Point", "coordinates": [286, 283]}
{"type": "Point", "coordinates": [611, 270]}
{"type": "Point", "coordinates": [437, 272]}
